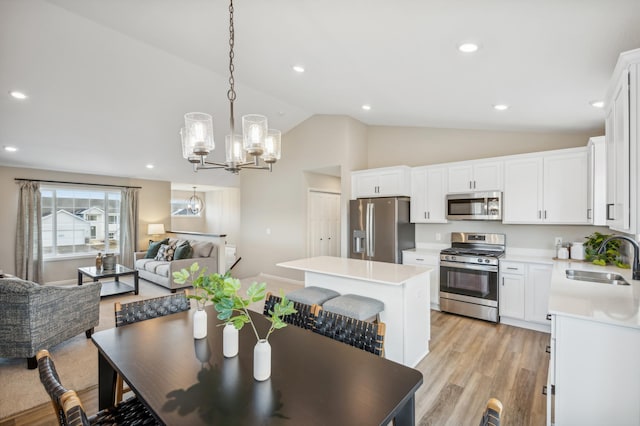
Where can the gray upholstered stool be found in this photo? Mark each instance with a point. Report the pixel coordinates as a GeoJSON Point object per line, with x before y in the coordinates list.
{"type": "Point", "coordinates": [355, 306]}
{"type": "Point", "coordinates": [312, 295]}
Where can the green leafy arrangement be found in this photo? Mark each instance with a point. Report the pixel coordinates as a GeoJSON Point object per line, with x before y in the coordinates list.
{"type": "Point", "coordinates": [610, 256]}
{"type": "Point", "coordinates": [223, 292]}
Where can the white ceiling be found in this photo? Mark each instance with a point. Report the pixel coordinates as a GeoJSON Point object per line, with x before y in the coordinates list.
{"type": "Point", "coordinates": [109, 81]}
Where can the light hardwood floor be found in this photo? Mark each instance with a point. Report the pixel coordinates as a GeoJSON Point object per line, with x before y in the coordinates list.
{"type": "Point", "coordinates": [470, 361]}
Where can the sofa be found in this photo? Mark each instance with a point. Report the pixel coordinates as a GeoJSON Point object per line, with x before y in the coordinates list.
{"type": "Point", "coordinates": [159, 267]}
{"type": "Point", "coordinates": [35, 317]}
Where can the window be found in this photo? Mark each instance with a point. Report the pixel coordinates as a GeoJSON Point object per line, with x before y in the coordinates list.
{"type": "Point", "coordinates": [179, 208]}
{"type": "Point", "coordinates": [79, 221]}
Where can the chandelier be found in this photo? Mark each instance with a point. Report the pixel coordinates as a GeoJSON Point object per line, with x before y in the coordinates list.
{"type": "Point", "coordinates": [195, 205]}
{"type": "Point", "coordinates": [256, 138]}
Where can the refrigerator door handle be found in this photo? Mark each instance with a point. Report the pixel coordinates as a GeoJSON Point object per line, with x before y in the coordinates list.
{"type": "Point", "coordinates": [370, 237]}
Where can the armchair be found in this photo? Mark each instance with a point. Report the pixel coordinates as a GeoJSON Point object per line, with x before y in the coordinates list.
{"type": "Point", "coordinates": [34, 317]}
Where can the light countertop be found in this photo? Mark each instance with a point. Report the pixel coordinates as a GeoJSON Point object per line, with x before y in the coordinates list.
{"type": "Point", "coordinates": [606, 303]}
{"type": "Point", "coordinates": [367, 270]}
{"type": "Point", "coordinates": [425, 251]}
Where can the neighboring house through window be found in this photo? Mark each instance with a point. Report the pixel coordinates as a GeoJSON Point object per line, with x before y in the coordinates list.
{"type": "Point", "coordinates": [79, 221]}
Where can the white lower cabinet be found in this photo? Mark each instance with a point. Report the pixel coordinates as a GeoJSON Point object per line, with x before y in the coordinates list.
{"type": "Point", "coordinates": [524, 294]}
{"type": "Point", "coordinates": [411, 257]}
{"type": "Point", "coordinates": [594, 371]}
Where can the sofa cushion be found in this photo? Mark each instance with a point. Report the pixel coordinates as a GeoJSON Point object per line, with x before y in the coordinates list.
{"type": "Point", "coordinates": [201, 248]}
{"type": "Point", "coordinates": [166, 252]}
{"type": "Point", "coordinates": [163, 269]}
{"type": "Point", "coordinates": [154, 246]}
{"type": "Point", "coordinates": [183, 251]}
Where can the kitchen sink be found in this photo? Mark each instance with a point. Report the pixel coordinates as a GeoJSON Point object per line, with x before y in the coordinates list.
{"type": "Point", "coordinates": [596, 277]}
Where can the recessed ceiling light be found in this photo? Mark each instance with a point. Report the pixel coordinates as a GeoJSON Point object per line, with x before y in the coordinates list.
{"type": "Point", "coordinates": [10, 148]}
{"type": "Point", "coordinates": [500, 107]}
{"type": "Point", "coordinates": [468, 47]}
{"type": "Point", "coordinates": [18, 95]}
{"type": "Point", "coordinates": [150, 166]}
{"type": "Point", "coordinates": [298, 68]}
{"type": "Point", "coordinates": [597, 104]}
{"type": "Point", "coordinates": [366, 107]}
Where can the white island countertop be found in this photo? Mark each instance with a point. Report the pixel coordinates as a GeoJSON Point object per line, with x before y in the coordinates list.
{"type": "Point", "coordinates": [367, 270]}
{"type": "Point", "coordinates": [605, 303]}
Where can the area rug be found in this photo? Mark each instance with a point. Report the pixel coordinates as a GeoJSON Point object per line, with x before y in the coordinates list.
{"type": "Point", "coordinates": [77, 359]}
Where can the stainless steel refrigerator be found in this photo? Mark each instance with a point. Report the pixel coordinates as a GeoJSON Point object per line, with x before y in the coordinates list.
{"type": "Point", "coordinates": [379, 229]}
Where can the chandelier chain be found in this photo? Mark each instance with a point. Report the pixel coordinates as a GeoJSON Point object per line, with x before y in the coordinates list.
{"type": "Point", "coordinates": [231, 93]}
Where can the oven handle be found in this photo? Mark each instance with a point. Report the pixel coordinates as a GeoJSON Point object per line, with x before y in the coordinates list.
{"type": "Point", "coordinates": [456, 265]}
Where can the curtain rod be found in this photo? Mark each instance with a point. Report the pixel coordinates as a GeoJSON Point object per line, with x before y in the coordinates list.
{"type": "Point", "coordinates": [77, 183]}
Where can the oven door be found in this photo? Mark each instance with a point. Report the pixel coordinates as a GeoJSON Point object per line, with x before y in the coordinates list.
{"type": "Point", "coordinates": [470, 280]}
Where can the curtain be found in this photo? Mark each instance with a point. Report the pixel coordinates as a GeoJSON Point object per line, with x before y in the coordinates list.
{"type": "Point", "coordinates": [28, 235]}
{"type": "Point", "coordinates": [128, 226]}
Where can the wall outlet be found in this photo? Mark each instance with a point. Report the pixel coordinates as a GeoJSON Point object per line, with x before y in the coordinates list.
{"type": "Point", "coordinates": [438, 236]}
{"type": "Point", "coordinates": [558, 241]}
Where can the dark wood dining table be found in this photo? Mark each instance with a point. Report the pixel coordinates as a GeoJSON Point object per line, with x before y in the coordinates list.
{"type": "Point", "coordinates": [314, 380]}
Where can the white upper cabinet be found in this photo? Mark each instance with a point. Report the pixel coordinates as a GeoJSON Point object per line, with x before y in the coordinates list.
{"type": "Point", "coordinates": [549, 188]}
{"type": "Point", "coordinates": [428, 192]}
{"type": "Point", "coordinates": [382, 182]}
{"type": "Point", "coordinates": [475, 176]}
{"type": "Point", "coordinates": [597, 181]}
{"type": "Point", "coordinates": [622, 118]}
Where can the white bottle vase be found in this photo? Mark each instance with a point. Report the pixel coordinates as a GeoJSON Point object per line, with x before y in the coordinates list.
{"type": "Point", "coordinates": [229, 340]}
{"type": "Point", "coordinates": [262, 360]}
{"type": "Point", "coordinates": [199, 324]}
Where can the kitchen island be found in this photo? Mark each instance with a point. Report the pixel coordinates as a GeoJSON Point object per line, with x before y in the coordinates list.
{"type": "Point", "coordinates": [404, 290]}
{"type": "Point", "coordinates": [595, 348]}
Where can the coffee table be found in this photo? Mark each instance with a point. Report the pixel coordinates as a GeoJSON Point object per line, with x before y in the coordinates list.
{"type": "Point", "coordinates": [109, 288]}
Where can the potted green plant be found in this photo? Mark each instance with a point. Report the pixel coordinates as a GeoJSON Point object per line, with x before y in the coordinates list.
{"type": "Point", "coordinates": [223, 291]}
{"type": "Point", "coordinates": [610, 256]}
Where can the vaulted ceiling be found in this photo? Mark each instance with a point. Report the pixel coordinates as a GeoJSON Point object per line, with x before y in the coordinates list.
{"type": "Point", "coordinates": [109, 81]}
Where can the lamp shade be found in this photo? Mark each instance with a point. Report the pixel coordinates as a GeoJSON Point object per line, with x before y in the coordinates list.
{"type": "Point", "coordinates": [198, 139]}
{"type": "Point", "coordinates": [235, 152]}
{"type": "Point", "coordinates": [254, 131]}
{"type": "Point", "coordinates": [155, 228]}
{"type": "Point", "coordinates": [271, 152]}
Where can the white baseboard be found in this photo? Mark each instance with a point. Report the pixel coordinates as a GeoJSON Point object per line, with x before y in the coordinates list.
{"type": "Point", "coordinates": [287, 280]}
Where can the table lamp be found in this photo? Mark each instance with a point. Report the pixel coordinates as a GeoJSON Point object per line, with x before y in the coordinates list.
{"type": "Point", "coordinates": [155, 229]}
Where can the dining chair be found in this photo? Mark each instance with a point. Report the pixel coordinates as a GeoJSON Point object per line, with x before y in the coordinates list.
{"type": "Point", "coordinates": [69, 409]}
{"type": "Point", "coordinates": [303, 318]}
{"type": "Point", "coordinates": [492, 413]}
{"type": "Point", "coordinates": [364, 335]}
{"type": "Point", "coordinates": [140, 310]}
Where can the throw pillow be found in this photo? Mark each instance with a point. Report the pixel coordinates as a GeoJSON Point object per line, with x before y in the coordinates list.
{"type": "Point", "coordinates": [154, 246]}
{"type": "Point", "coordinates": [166, 252]}
{"type": "Point", "coordinates": [183, 251]}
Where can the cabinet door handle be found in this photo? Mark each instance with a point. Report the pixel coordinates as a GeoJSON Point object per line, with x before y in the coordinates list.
{"type": "Point", "coordinates": [539, 214]}
{"type": "Point", "coordinates": [512, 268]}
{"type": "Point", "coordinates": [609, 215]}
{"type": "Point", "coordinates": [470, 185]}
{"type": "Point", "coordinates": [419, 260]}
{"type": "Point", "coordinates": [548, 317]}
{"type": "Point", "coordinates": [589, 214]}
{"type": "Point", "coordinates": [545, 214]}
{"type": "Point", "coordinates": [428, 215]}
{"type": "Point", "coordinates": [474, 184]}
{"type": "Point", "coordinates": [548, 349]}
{"type": "Point", "coordinates": [425, 215]}
{"type": "Point", "coordinates": [502, 281]}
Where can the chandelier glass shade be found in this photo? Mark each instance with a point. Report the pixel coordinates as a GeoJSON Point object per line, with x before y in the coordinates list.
{"type": "Point", "coordinates": [256, 138]}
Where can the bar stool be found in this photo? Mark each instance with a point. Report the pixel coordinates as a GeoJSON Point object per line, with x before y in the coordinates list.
{"type": "Point", "coordinates": [355, 306]}
{"type": "Point", "coordinates": [312, 295]}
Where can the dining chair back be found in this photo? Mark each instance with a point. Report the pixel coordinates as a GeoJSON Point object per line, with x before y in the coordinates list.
{"type": "Point", "coordinates": [492, 413]}
{"type": "Point", "coordinates": [140, 310]}
{"type": "Point", "coordinates": [303, 318]}
{"type": "Point", "coordinates": [70, 411]}
{"type": "Point", "coordinates": [361, 334]}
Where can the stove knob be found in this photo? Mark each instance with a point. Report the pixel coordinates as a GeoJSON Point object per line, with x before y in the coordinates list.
{"type": "Point", "coordinates": [452, 258]}
{"type": "Point", "coordinates": [479, 260]}
{"type": "Point", "coordinates": [486, 261]}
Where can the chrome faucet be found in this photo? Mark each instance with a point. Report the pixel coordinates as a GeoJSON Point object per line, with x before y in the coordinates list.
{"type": "Point", "coordinates": [636, 249]}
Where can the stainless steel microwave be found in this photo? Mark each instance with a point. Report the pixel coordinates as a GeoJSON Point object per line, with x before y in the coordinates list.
{"type": "Point", "coordinates": [475, 206]}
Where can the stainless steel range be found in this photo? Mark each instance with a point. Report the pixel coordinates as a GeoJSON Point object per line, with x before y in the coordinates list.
{"type": "Point", "coordinates": [469, 275]}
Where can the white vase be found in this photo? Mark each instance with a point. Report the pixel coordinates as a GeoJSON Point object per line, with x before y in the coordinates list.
{"type": "Point", "coordinates": [229, 340]}
{"type": "Point", "coordinates": [199, 324]}
{"type": "Point", "coordinates": [262, 360]}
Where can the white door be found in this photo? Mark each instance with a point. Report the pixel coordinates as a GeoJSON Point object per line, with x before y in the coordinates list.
{"type": "Point", "coordinates": [323, 224]}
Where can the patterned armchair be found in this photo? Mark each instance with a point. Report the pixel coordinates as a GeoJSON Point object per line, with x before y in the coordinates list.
{"type": "Point", "coordinates": [34, 317]}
